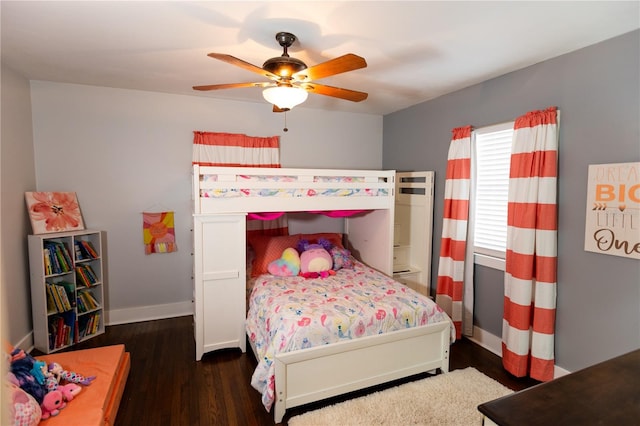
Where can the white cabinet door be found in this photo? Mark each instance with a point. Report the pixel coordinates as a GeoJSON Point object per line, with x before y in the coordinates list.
{"type": "Point", "coordinates": [219, 282]}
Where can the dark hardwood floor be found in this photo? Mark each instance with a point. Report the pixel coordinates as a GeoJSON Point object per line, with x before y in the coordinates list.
{"type": "Point", "coordinates": [166, 386]}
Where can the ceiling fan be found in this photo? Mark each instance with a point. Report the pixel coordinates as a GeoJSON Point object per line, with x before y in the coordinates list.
{"type": "Point", "coordinates": [291, 79]}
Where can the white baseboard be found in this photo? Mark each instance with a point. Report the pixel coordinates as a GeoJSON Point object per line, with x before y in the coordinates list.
{"type": "Point", "coordinates": [487, 340]}
{"type": "Point", "coordinates": [148, 313]}
{"type": "Point", "coordinates": [129, 315]}
{"type": "Point", "coordinates": [493, 344]}
{"type": "Point", "coordinates": [26, 343]}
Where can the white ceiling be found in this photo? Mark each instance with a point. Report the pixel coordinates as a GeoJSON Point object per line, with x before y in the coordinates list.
{"type": "Point", "coordinates": [415, 50]}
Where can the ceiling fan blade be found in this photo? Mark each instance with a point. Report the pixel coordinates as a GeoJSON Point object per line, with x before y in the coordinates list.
{"type": "Point", "coordinates": [243, 64]}
{"type": "Point", "coordinates": [230, 86]}
{"type": "Point", "coordinates": [276, 109]}
{"type": "Point", "coordinates": [336, 92]}
{"type": "Point", "coordinates": [348, 62]}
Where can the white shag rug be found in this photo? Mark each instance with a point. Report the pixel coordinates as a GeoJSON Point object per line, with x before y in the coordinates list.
{"type": "Point", "coordinates": [446, 399]}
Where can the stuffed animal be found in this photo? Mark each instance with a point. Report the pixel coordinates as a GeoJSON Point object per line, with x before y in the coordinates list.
{"type": "Point", "coordinates": [287, 265]}
{"type": "Point", "coordinates": [52, 403]}
{"type": "Point", "coordinates": [69, 391]}
{"type": "Point", "coordinates": [23, 408]}
{"type": "Point", "coordinates": [341, 258]}
{"type": "Point", "coordinates": [39, 371]}
{"type": "Point", "coordinates": [22, 365]}
{"type": "Point", "coordinates": [69, 376]}
{"type": "Point", "coordinates": [315, 259]}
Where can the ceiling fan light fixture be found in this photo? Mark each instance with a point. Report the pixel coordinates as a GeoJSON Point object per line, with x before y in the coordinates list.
{"type": "Point", "coordinates": [285, 97]}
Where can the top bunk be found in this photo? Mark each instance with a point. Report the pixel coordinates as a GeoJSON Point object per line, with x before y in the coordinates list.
{"type": "Point", "coordinates": [220, 190]}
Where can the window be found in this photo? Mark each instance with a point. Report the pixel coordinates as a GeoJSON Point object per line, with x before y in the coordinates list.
{"type": "Point", "coordinates": [490, 190]}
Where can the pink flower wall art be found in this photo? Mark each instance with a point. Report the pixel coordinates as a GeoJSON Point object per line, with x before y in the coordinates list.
{"type": "Point", "coordinates": [53, 212]}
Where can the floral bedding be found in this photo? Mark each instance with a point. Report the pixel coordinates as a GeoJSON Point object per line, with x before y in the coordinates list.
{"type": "Point", "coordinates": [290, 192]}
{"type": "Point", "coordinates": [290, 313]}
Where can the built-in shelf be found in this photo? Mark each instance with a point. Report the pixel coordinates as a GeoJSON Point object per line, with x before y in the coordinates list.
{"type": "Point", "coordinates": [412, 230]}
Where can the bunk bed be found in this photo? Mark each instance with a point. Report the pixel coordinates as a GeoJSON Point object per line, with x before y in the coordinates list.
{"type": "Point", "coordinates": [223, 197]}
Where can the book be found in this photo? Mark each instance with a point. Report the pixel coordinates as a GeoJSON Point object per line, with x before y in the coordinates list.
{"type": "Point", "coordinates": [67, 256]}
{"type": "Point", "coordinates": [83, 275]}
{"type": "Point", "coordinates": [89, 248]}
{"type": "Point", "coordinates": [62, 293]}
{"type": "Point", "coordinates": [71, 323]}
{"type": "Point", "coordinates": [96, 323]}
{"type": "Point", "coordinates": [59, 328]}
{"type": "Point", "coordinates": [56, 297]}
{"type": "Point", "coordinates": [69, 289]}
{"type": "Point", "coordinates": [51, 303]}
{"type": "Point", "coordinates": [79, 252]}
{"type": "Point", "coordinates": [53, 258]}
{"type": "Point", "coordinates": [76, 335]}
{"type": "Point", "coordinates": [53, 296]}
{"type": "Point", "coordinates": [59, 257]}
{"type": "Point", "coordinates": [80, 306]}
{"type": "Point", "coordinates": [88, 301]}
{"type": "Point", "coordinates": [47, 262]}
{"type": "Point", "coordinates": [92, 275]}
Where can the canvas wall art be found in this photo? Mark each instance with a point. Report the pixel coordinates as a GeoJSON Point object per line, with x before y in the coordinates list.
{"type": "Point", "coordinates": [159, 232]}
{"type": "Point", "coordinates": [53, 212]}
{"type": "Point", "coordinates": [613, 210]}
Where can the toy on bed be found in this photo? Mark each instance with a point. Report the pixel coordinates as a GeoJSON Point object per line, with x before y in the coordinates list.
{"type": "Point", "coordinates": [52, 403]}
{"type": "Point", "coordinates": [23, 408]}
{"type": "Point", "coordinates": [69, 376]}
{"type": "Point", "coordinates": [22, 367]}
{"type": "Point", "coordinates": [51, 387]}
{"type": "Point", "coordinates": [341, 258]}
{"type": "Point", "coordinates": [311, 260]}
{"type": "Point", "coordinates": [288, 265]}
{"type": "Point", "coordinates": [315, 259]}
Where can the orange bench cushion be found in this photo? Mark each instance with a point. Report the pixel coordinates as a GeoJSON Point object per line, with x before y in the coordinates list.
{"type": "Point", "coordinates": [96, 404]}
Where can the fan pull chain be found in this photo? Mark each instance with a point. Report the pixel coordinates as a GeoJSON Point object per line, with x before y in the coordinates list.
{"type": "Point", "coordinates": [285, 122]}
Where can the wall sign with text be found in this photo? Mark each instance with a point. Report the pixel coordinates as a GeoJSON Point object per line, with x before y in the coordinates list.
{"type": "Point", "coordinates": [613, 210]}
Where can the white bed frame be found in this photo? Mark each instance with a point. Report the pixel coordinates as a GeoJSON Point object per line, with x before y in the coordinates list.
{"type": "Point", "coordinates": [306, 375]}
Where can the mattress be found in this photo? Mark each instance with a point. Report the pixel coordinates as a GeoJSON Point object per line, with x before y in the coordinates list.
{"type": "Point", "coordinates": [96, 404]}
{"type": "Point", "coordinates": [291, 192]}
{"type": "Point", "coordinates": [291, 313]}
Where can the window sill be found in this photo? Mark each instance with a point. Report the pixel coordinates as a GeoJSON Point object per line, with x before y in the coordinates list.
{"type": "Point", "coordinates": [488, 261]}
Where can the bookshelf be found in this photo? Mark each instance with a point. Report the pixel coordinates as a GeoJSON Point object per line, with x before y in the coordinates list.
{"type": "Point", "coordinates": [67, 290]}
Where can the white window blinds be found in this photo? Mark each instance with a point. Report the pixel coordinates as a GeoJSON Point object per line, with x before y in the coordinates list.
{"type": "Point", "coordinates": [493, 154]}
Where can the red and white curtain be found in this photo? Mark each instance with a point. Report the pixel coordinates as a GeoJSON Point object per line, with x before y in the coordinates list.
{"type": "Point", "coordinates": [235, 150]}
{"type": "Point", "coordinates": [450, 287]}
{"type": "Point", "coordinates": [238, 150]}
{"type": "Point", "coordinates": [531, 257]}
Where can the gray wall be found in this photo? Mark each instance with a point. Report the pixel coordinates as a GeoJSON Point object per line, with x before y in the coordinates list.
{"type": "Point", "coordinates": [126, 151]}
{"type": "Point", "coordinates": [17, 176]}
{"type": "Point", "coordinates": [598, 92]}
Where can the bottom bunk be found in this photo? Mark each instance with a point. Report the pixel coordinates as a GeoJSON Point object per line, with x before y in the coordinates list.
{"type": "Point", "coordinates": [350, 329]}
{"type": "Point", "coordinates": [313, 374]}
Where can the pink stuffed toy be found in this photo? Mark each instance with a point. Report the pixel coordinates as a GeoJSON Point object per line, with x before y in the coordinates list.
{"type": "Point", "coordinates": [315, 260]}
{"type": "Point", "coordinates": [69, 391]}
{"type": "Point", "coordinates": [52, 404]}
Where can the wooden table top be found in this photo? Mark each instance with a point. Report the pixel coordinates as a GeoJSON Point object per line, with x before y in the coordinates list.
{"type": "Point", "coordinates": [604, 394]}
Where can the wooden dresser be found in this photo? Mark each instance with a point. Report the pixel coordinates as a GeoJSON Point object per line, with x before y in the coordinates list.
{"type": "Point", "coordinates": [604, 394]}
